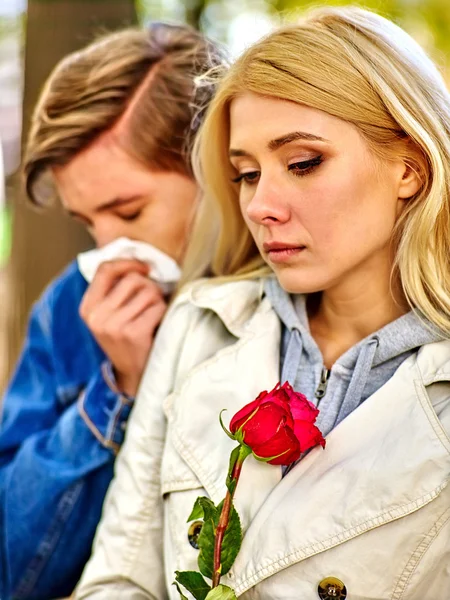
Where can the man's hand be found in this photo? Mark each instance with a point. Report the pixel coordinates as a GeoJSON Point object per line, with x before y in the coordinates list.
{"type": "Point", "coordinates": [122, 308]}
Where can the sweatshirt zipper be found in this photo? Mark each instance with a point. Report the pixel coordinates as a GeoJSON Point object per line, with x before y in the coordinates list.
{"type": "Point", "coordinates": [322, 387]}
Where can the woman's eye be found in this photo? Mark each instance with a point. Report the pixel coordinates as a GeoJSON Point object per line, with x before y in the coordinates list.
{"type": "Point", "coordinates": [249, 177]}
{"type": "Point", "coordinates": [131, 216]}
{"type": "Point", "coordinates": [300, 169]}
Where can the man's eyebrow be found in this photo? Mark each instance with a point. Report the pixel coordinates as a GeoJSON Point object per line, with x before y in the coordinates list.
{"type": "Point", "coordinates": [282, 141]}
{"type": "Point", "coordinates": [116, 202]}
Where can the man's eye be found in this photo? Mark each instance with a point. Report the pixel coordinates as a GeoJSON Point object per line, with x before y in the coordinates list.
{"type": "Point", "coordinates": [131, 216]}
{"type": "Point", "coordinates": [250, 177]}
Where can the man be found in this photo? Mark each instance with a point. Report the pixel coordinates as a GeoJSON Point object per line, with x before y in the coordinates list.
{"type": "Point", "coordinates": [111, 131]}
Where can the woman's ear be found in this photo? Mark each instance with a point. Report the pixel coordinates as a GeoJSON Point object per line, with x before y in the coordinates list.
{"type": "Point", "coordinates": [410, 182]}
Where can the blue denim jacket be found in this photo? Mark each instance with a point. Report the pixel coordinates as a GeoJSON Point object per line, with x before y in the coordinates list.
{"type": "Point", "coordinates": [62, 424]}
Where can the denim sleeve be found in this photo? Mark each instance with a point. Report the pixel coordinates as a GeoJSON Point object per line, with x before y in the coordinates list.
{"type": "Point", "coordinates": [56, 463]}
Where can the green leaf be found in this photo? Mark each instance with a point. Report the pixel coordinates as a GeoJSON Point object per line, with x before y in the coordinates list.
{"type": "Point", "coordinates": [233, 459]}
{"type": "Point", "coordinates": [210, 511]}
{"type": "Point", "coordinates": [232, 541]}
{"type": "Point", "coordinates": [231, 485]}
{"type": "Point", "coordinates": [206, 549]}
{"type": "Point", "coordinates": [204, 508]}
{"type": "Point", "coordinates": [229, 434]}
{"type": "Point", "coordinates": [266, 459]}
{"type": "Point", "coordinates": [221, 592]}
{"type": "Point", "coordinates": [205, 540]}
{"type": "Point", "coordinates": [194, 583]}
{"type": "Point", "coordinates": [231, 544]}
{"type": "Point", "coordinates": [239, 436]}
{"type": "Point", "coordinates": [183, 597]}
{"type": "Point", "coordinates": [197, 511]}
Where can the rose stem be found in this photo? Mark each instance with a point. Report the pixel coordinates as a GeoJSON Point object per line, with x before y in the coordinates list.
{"type": "Point", "coordinates": [224, 518]}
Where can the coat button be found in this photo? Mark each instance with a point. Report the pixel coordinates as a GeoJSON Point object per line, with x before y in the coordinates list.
{"type": "Point", "coordinates": [193, 533]}
{"type": "Point", "coordinates": [331, 587]}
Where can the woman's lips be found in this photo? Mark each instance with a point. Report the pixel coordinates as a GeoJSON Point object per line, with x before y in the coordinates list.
{"type": "Point", "coordinates": [283, 254]}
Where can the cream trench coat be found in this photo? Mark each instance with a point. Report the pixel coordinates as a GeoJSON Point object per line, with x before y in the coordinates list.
{"type": "Point", "coordinates": [372, 509]}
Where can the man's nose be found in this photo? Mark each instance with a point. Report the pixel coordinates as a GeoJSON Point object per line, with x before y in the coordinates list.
{"type": "Point", "coordinates": [105, 231]}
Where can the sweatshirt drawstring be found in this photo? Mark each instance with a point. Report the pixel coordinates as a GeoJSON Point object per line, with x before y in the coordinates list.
{"type": "Point", "coordinates": [361, 372]}
{"type": "Point", "coordinates": [292, 358]}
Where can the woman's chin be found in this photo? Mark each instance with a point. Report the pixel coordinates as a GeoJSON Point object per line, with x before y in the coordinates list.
{"type": "Point", "coordinates": [298, 283]}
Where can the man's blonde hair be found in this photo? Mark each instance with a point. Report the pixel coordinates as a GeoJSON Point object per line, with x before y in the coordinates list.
{"type": "Point", "coordinates": [149, 75]}
{"type": "Point", "coordinates": [362, 68]}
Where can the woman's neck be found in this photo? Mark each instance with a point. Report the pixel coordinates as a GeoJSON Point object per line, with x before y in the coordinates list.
{"type": "Point", "coordinates": [341, 317]}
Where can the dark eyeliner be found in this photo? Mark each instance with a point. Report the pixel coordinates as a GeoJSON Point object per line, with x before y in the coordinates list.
{"type": "Point", "coordinates": [304, 167]}
{"type": "Point", "coordinates": [243, 176]}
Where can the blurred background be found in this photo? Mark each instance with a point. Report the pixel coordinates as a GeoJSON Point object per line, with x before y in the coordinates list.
{"type": "Point", "coordinates": [35, 35]}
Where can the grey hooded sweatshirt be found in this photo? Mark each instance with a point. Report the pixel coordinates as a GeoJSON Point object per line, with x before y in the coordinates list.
{"type": "Point", "coordinates": [357, 374]}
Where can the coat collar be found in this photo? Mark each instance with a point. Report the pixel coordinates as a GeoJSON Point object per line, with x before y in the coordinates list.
{"type": "Point", "coordinates": [433, 362]}
{"type": "Point", "coordinates": [234, 302]}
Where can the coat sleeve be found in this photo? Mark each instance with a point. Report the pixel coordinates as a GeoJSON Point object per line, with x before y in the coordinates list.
{"type": "Point", "coordinates": [56, 463]}
{"type": "Point", "coordinates": [127, 562]}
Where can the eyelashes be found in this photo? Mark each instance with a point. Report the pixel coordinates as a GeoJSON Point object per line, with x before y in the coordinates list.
{"type": "Point", "coordinates": [303, 168]}
{"type": "Point", "coordinates": [249, 177]}
{"type": "Point", "coordinates": [299, 169]}
{"type": "Point", "coordinates": [132, 216]}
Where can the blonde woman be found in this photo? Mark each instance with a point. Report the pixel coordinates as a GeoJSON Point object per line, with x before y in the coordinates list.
{"type": "Point", "coordinates": [326, 154]}
{"type": "Point", "coordinates": [111, 132]}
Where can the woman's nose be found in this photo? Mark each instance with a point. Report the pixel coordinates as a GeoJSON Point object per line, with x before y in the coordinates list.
{"type": "Point", "coordinates": [268, 205]}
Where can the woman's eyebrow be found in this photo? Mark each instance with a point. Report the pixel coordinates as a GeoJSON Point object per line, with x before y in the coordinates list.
{"type": "Point", "coordinates": [282, 141]}
{"type": "Point", "coordinates": [292, 137]}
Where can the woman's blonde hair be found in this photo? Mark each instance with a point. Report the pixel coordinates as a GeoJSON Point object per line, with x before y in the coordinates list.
{"type": "Point", "coordinates": [149, 75]}
{"type": "Point", "coordinates": [362, 68]}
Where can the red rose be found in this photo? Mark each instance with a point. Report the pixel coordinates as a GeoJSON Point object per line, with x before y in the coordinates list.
{"type": "Point", "coordinates": [279, 423]}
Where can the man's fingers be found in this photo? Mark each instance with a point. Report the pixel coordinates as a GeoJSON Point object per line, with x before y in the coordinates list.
{"type": "Point", "coordinates": [153, 314]}
{"type": "Point", "coordinates": [116, 325]}
{"type": "Point", "coordinates": [124, 292]}
{"type": "Point", "coordinates": [105, 279]}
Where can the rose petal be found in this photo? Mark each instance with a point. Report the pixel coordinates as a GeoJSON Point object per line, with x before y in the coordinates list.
{"type": "Point", "coordinates": [264, 423]}
{"type": "Point", "coordinates": [242, 415]}
{"type": "Point", "coordinates": [308, 435]}
{"type": "Point", "coordinates": [284, 443]}
{"type": "Point", "coordinates": [278, 395]}
{"type": "Point", "coordinates": [284, 408]}
{"type": "Point", "coordinates": [302, 409]}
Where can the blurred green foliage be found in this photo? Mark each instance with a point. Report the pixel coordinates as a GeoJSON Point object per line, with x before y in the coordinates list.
{"type": "Point", "coordinates": [427, 20]}
{"type": "Point", "coordinates": [5, 235]}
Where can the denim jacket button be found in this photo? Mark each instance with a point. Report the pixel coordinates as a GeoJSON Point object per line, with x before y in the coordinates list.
{"type": "Point", "coordinates": [193, 533]}
{"type": "Point", "coordinates": [332, 587]}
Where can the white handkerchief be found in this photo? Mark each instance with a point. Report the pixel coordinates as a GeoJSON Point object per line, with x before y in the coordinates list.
{"type": "Point", "coordinates": [163, 269]}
